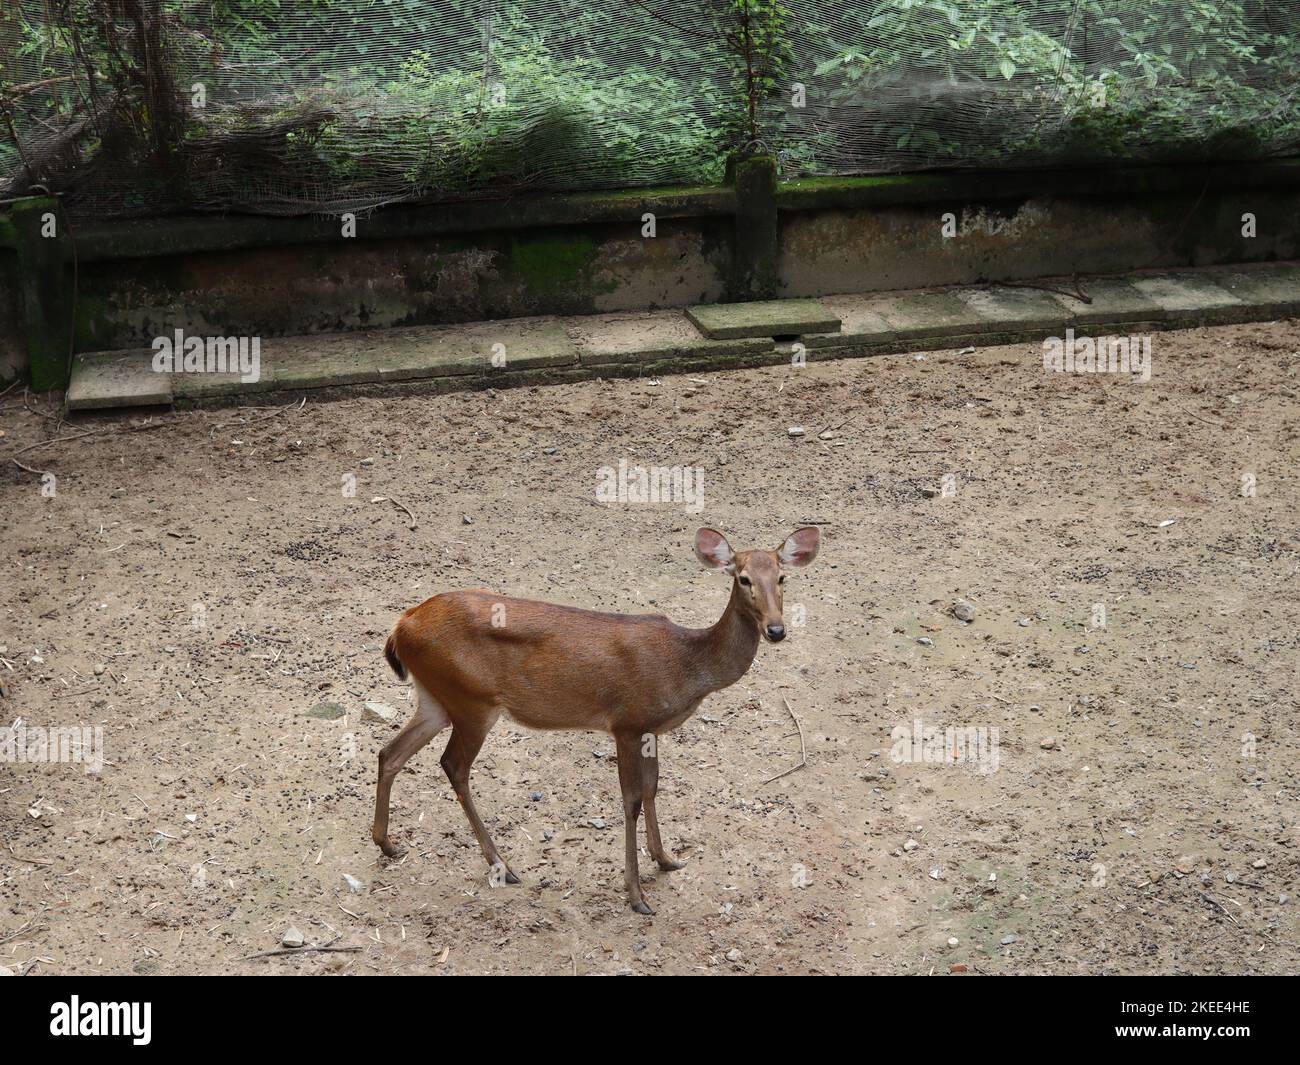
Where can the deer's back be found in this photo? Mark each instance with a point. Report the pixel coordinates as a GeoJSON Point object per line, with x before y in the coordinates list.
{"type": "Point", "coordinates": [549, 666]}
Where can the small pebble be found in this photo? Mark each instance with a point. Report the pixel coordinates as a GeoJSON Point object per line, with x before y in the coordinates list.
{"type": "Point", "coordinates": [379, 712]}
{"type": "Point", "coordinates": [952, 941]}
{"type": "Point", "coordinates": [355, 885]}
{"type": "Point", "coordinates": [1048, 744]}
{"type": "Point", "coordinates": [910, 845]}
{"type": "Point", "coordinates": [292, 938]}
{"type": "Point", "coordinates": [734, 955]}
{"type": "Point", "coordinates": [1008, 939]}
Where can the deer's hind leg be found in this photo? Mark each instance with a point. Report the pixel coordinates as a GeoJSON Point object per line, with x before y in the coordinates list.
{"type": "Point", "coordinates": [430, 719]}
{"type": "Point", "coordinates": [467, 736]}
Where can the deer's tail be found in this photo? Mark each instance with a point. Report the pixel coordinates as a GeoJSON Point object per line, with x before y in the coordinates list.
{"type": "Point", "coordinates": [390, 652]}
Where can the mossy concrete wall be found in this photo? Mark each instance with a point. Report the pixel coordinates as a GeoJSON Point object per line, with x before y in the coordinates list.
{"type": "Point", "coordinates": [598, 252]}
{"type": "Point", "coordinates": [355, 283]}
{"type": "Point", "coordinates": [13, 344]}
{"type": "Point", "coordinates": [967, 241]}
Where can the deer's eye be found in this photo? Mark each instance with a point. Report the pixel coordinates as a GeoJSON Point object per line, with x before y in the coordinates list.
{"type": "Point", "coordinates": [744, 581]}
{"type": "Point", "coordinates": [781, 579]}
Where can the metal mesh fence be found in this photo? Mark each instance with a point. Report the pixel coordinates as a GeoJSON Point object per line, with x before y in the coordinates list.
{"type": "Point", "coordinates": [141, 107]}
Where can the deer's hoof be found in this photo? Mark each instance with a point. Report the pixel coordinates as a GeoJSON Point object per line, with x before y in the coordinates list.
{"type": "Point", "coordinates": [642, 907]}
{"type": "Point", "coordinates": [671, 867]}
{"type": "Point", "coordinates": [511, 878]}
{"type": "Point", "coordinates": [390, 849]}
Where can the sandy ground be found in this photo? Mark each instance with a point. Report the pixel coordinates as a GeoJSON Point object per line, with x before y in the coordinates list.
{"type": "Point", "coordinates": [196, 590]}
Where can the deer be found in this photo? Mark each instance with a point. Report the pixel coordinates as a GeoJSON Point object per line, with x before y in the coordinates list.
{"type": "Point", "coordinates": [472, 656]}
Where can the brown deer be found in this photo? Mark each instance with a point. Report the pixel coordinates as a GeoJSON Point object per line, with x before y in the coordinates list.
{"type": "Point", "coordinates": [472, 655]}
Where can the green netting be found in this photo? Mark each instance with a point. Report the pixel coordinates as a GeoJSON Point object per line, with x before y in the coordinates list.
{"type": "Point", "coordinates": [137, 107]}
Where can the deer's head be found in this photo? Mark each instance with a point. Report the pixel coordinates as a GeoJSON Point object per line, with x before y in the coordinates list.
{"type": "Point", "coordinates": [759, 575]}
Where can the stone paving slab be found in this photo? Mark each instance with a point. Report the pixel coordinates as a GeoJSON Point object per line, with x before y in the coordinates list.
{"type": "Point", "coordinates": [927, 313]}
{"type": "Point", "coordinates": [1028, 308]}
{"type": "Point", "coordinates": [416, 353]}
{"type": "Point", "coordinates": [1186, 294]}
{"type": "Point", "coordinates": [762, 319]}
{"type": "Point", "coordinates": [117, 379]}
{"type": "Point", "coordinates": [1273, 288]}
{"type": "Point", "coordinates": [650, 337]}
{"type": "Point", "coordinates": [515, 352]}
{"type": "Point", "coordinates": [1113, 299]}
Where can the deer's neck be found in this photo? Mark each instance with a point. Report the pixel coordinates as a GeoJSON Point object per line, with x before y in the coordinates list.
{"type": "Point", "coordinates": [727, 649]}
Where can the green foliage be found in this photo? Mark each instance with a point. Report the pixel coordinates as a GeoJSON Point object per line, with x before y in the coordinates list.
{"type": "Point", "coordinates": [984, 81]}
{"type": "Point", "coordinates": [323, 101]}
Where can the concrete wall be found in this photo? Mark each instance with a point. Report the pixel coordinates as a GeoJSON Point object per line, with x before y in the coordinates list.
{"type": "Point", "coordinates": [13, 343]}
{"type": "Point", "coordinates": [905, 246]}
{"type": "Point", "coordinates": [368, 284]}
{"type": "Point", "coordinates": [585, 253]}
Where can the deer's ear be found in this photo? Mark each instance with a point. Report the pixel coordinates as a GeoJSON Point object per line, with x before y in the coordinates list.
{"type": "Point", "coordinates": [800, 547]}
{"type": "Point", "coordinates": [712, 549]}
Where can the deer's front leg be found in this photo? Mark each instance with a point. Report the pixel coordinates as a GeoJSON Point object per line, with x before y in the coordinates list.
{"type": "Point", "coordinates": [629, 779]}
{"type": "Point", "coordinates": [649, 789]}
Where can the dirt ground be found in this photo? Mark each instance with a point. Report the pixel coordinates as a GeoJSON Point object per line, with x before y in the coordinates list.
{"type": "Point", "coordinates": [202, 589]}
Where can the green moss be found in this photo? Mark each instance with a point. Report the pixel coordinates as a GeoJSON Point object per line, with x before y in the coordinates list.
{"type": "Point", "coordinates": [93, 327]}
{"type": "Point", "coordinates": [552, 265]}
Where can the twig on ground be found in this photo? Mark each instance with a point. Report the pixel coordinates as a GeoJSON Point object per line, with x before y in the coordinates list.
{"type": "Point", "coordinates": [143, 427]}
{"type": "Point", "coordinates": [803, 750]}
{"type": "Point", "coordinates": [1077, 294]}
{"type": "Point", "coordinates": [1218, 905]}
{"type": "Point", "coordinates": [311, 949]}
{"type": "Point", "coordinates": [1201, 418]}
{"type": "Point", "coordinates": [402, 506]}
{"type": "Point", "coordinates": [30, 927]}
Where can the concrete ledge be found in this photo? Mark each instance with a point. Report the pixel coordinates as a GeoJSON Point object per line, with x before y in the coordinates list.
{"type": "Point", "coordinates": [763, 318]}
{"type": "Point", "coordinates": [117, 379]}
{"type": "Point", "coordinates": [537, 351]}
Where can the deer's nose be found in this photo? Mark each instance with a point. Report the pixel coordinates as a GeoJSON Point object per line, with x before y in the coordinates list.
{"type": "Point", "coordinates": [776, 632]}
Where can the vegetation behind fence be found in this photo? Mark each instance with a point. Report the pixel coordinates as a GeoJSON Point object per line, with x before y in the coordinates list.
{"type": "Point", "coordinates": [140, 107]}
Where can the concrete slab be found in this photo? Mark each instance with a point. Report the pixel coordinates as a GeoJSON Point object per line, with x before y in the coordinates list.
{"type": "Point", "coordinates": [412, 354]}
{"type": "Point", "coordinates": [928, 314]}
{"type": "Point", "coordinates": [762, 319]}
{"type": "Point", "coordinates": [605, 339]}
{"type": "Point", "coordinates": [1185, 294]}
{"type": "Point", "coordinates": [1113, 300]}
{"type": "Point", "coordinates": [860, 322]}
{"type": "Point", "coordinates": [117, 379]}
{"type": "Point", "coordinates": [1272, 288]}
{"type": "Point", "coordinates": [516, 352]}
{"type": "Point", "coordinates": [1027, 308]}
